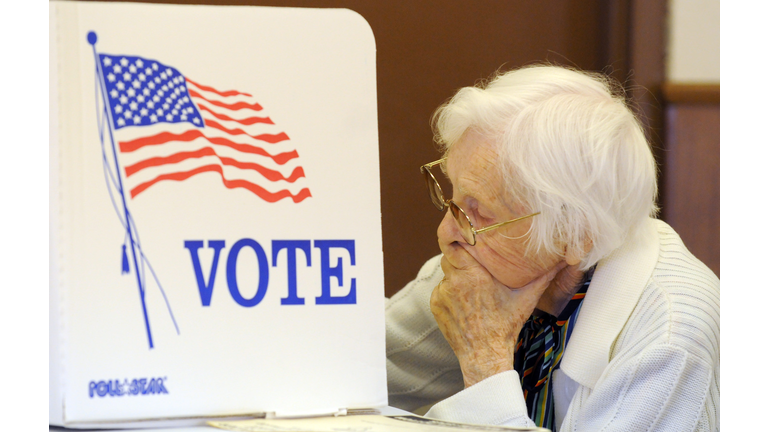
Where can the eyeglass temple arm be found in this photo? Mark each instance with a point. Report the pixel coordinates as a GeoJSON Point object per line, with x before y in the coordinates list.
{"type": "Point", "coordinates": [431, 164]}
{"type": "Point", "coordinates": [488, 228]}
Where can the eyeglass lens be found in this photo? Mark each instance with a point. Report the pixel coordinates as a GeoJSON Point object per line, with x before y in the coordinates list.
{"type": "Point", "coordinates": [435, 192]}
{"type": "Point", "coordinates": [462, 220]}
{"type": "Point", "coordinates": [438, 199]}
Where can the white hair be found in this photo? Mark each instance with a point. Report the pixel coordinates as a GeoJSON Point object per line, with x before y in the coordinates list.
{"type": "Point", "coordinates": [569, 147]}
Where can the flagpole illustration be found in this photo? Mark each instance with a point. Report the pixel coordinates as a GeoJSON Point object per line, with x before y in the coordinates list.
{"type": "Point", "coordinates": [92, 38]}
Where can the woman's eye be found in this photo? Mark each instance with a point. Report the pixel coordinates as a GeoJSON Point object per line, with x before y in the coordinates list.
{"type": "Point", "coordinates": [481, 216]}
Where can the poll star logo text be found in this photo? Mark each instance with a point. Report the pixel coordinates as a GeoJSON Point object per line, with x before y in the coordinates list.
{"type": "Point", "coordinates": [292, 249]}
{"type": "Point", "coordinates": [135, 387]}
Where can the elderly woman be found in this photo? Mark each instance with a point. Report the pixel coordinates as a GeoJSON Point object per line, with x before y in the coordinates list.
{"type": "Point", "coordinates": [558, 300]}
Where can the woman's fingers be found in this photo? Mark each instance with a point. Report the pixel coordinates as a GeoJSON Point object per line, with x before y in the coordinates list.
{"type": "Point", "coordinates": [539, 284]}
{"type": "Point", "coordinates": [457, 256]}
{"type": "Point", "coordinates": [527, 298]}
{"type": "Point", "coordinates": [560, 290]}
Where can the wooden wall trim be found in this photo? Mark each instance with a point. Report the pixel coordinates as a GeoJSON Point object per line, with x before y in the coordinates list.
{"type": "Point", "coordinates": [691, 93]}
{"type": "Point", "coordinates": [646, 61]}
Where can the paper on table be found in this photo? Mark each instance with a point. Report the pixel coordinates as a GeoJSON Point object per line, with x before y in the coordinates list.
{"type": "Point", "coordinates": [359, 423]}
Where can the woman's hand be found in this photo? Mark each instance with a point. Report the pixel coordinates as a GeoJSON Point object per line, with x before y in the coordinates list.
{"type": "Point", "coordinates": [479, 316]}
{"type": "Point", "coordinates": [561, 290]}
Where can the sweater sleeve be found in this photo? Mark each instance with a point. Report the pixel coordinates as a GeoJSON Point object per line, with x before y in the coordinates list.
{"type": "Point", "coordinates": [421, 366]}
{"type": "Point", "coordinates": [497, 400]}
{"type": "Point", "coordinates": [663, 388]}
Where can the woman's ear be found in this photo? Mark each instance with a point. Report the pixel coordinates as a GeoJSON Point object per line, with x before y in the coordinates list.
{"type": "Point", "coordinates": [574, 257]}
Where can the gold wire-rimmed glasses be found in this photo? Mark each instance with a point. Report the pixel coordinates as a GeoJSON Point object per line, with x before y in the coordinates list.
{"type": "Point", "coordinates": [466, 228]}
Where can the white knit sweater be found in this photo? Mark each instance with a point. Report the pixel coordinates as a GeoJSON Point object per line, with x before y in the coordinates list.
{"type": "Point", "coordinates": [644, 354]}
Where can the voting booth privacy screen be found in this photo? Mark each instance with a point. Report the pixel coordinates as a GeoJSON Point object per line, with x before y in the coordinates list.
{"type": "Point", "coordinates": [215, 213]}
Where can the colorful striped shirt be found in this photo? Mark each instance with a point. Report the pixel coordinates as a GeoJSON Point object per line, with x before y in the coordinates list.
{"type": "Point", "coordinates": [540, 348]}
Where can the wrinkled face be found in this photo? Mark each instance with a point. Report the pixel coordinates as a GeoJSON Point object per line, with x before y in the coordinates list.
{"type": "Point", "coordinates": [479, 190]}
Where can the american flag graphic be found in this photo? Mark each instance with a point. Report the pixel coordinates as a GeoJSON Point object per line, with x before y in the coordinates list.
{"type": "Point", "coordinates": [170, 128]}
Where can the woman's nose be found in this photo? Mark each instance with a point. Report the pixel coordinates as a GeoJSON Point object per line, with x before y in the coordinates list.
{"type": "Point", "coordinates": [448, 231]}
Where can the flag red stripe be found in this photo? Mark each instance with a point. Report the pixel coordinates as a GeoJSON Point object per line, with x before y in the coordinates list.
{"type": "Point", "coordinates": [248, 121]}
{"type": "Point", "coordinates": [270, 138]}
{"type": "Point", "coordinates": [165, 137]}
{"type": "Point", "coordinates": [231, 184]}
{"type": "Point", "coordinates": [213, 90]}
{"type": "Point", "coordinates": [269, 174]}
{"type": "Point", "coordinates": [233, 107]}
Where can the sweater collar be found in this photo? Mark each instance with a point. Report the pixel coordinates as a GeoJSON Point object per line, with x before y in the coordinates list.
{"type": "Point", "coordinates": [615, 289]}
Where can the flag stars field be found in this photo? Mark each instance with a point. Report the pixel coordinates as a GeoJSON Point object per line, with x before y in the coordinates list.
{"type": "Point", "coordinates": [132, 89]}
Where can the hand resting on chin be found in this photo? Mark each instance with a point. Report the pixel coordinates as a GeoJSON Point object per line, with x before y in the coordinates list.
{"type": "Point", "coordinates": [479, 316]}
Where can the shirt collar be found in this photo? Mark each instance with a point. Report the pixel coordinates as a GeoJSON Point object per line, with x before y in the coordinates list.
{"type": "Point", "coordinates": [613, 293]}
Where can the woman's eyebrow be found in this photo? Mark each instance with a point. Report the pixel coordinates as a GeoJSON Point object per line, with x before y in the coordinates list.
{"type": "Point", "coordinates": [464, 191]}
{"type": "Point", "coordinates": [467, 192]}
{"type": "Point", "coordinates": [474, 194]}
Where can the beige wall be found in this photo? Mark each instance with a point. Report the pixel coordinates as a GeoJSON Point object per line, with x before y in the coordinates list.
{"type": "Point", "coordinates": [693, 41]}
